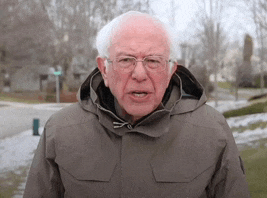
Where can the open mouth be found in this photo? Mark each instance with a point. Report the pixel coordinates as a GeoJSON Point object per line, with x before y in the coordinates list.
{"type": "Point", "coordinates": [139, 94]}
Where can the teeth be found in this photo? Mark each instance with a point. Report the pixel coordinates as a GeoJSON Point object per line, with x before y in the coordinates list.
{"type": "Point", "coordinates": [140, 94]}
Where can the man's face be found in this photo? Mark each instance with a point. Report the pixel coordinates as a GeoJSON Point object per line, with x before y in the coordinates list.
{"type": "Point", "coordinates": [138, 92]}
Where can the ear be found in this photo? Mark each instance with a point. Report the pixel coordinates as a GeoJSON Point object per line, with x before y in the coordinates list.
{"type": "Point", "coordinates": [102, 68]}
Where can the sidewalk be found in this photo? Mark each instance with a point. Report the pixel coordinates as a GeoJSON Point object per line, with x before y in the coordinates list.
{"type": "Point", "coordinates": [16, 155]}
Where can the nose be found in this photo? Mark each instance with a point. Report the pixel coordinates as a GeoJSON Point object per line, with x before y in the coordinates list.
{"type": "Point", "coordinates": [139, 73]}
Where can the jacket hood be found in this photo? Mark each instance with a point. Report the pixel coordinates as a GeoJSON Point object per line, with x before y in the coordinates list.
{"type": "Point", "coordinates": [186, 84]}
{"type": "Point", "coordinates": [183, 95]}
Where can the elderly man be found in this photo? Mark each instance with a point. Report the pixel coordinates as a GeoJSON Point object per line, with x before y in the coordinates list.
{"type": "Point", "coordinates": [141, 127]}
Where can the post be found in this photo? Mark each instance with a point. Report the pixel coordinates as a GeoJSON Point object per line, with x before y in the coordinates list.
{"type": "Point", "coordinates": [236, 82]}
{"type": "Point", "coordinates": [57, 74]}
{"type": "Point", "coordinates": [35, 126]}
{"type": "Point", "coordinates": [216, 83]}
{"type": "Point", "coordinates": [57, 89]}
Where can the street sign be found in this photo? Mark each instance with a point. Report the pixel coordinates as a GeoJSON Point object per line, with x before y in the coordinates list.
{"type": "Point", "coordinates": [58, 73]}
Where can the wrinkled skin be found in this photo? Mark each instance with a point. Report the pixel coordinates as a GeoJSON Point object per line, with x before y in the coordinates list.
{"type": "Point", "coordinates": [139, 92]}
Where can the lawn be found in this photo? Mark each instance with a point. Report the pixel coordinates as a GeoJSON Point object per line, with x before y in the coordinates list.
{"type": "Point", "coordinates": [260, 107]}
{"type": "Point", "coordinates": [225, 85]}
{"type": "Point", "coordinates": [255, 159]}
{"type": "Point", "coordinates": [10, 181]}
{"type": "Point", "coordinates": [255, 162]}
{"type": "Point", "coordinates": [20, 97]}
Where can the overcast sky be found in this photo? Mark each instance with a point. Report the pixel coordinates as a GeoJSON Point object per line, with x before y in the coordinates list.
{"type": "Point", "coordinates": [236, 21]}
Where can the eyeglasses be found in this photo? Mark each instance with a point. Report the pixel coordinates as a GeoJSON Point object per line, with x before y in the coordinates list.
{"type": "Point", "coordinates": [151, 63]}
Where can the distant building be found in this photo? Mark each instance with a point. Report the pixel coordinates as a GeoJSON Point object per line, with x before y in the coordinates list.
{"type": "Point", "coordinates": [78, 71]}
{"type": "Point", "coordinates": [30, 78]}
{"type": "Point", "coordinates": [41, 77]}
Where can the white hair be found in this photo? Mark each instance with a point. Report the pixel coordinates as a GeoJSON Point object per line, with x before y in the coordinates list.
{"type": "Point", "coordinates": [105, 35]}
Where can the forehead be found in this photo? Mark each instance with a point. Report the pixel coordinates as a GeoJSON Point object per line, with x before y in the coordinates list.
{"type": "Point", "coordinates": [140, 34]}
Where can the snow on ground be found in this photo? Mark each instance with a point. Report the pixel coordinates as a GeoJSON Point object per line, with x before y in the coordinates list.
{"type": "Point", "coordinates": [225, 105]}
{"type": "Point", "coordinates": [17, 151]}
{"type": "Point", "coordinates": [247, 137]}
{"type": "Point", "coordinates": [246, 120]}
{"type": "Point", "coordinates": [51, 106]}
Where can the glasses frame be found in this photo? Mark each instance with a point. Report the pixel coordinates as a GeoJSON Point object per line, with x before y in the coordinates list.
{"type": "Point", "coordinates": [135, 63]}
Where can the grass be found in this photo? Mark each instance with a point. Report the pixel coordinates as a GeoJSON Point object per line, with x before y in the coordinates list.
{"type": "Point", "coordinates": [15, 98]}
{"type": "Point", "coordinates": [231, 86]}
{"type": "Point", "coordinates": [10, 182]}
{"type": "Point", "coordinates": [252, 109]}
{"type": "Point", "coordinates": [225, 85]}
{"type": "Point", "coordinates": [38, 97]}
{"type": "Point", "coordinates": [255, 159]}
{"type": "Point", "coordinates": [255, 162]}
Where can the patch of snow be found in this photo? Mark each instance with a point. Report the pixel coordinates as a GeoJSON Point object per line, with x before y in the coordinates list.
{"type": "Point", "coordinates": [246, 120]}
{"type": "Point", "coordinates": [226, 105]}
{"type": "Point", "coordinates": [247, 136]}
{"type": "Point", "coordinates": [51, 106]}
{"type": "Point", "coordinates": [18, 150]}
{"type": "Point", "coordinates": [250, 136]}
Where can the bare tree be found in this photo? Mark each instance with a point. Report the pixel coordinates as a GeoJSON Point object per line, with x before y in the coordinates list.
{"type": "Point", "coordinates": [76, 23]}
{"type": "Point", "coordinates": [25, 33]}
{"type": "Point", "coordinates": [55, 31]}
{"type": "Point", "coordinates": [211, 36]}
{"type": "Point", "coordinates": [258, 9]}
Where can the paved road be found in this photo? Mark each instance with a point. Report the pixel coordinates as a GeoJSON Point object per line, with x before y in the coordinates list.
{"type": "Point", "coordinates": [18, 117]}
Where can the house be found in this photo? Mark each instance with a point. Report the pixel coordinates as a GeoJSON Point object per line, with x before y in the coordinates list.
{"type": "Point", "coordinates": [30, 78]}
{"type": "Point", "coordinates": [77, 72]}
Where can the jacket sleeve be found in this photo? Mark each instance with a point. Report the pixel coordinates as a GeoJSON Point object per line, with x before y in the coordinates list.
{"type": "Point", "coordinates": [229, 178]}
{"type": "Point", "coordinates": [44, 177]}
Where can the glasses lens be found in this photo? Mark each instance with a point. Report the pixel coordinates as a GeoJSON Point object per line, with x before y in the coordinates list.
{"type": "Point", "coordinates": [125, 62]}
{"type": "Point", "coordinates": [152, 63]}
{"type": "Point", "coordinates": [155, 63]}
